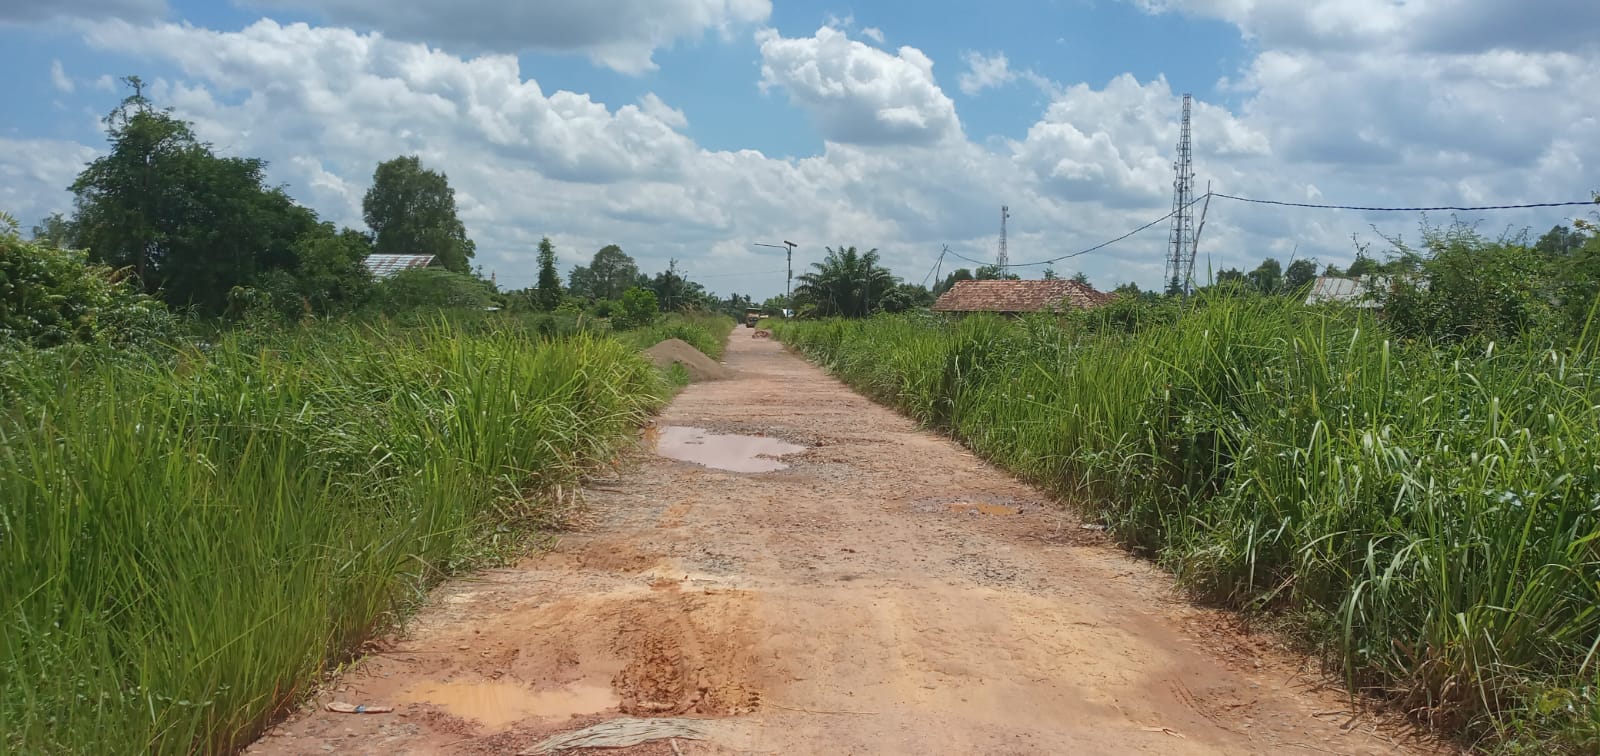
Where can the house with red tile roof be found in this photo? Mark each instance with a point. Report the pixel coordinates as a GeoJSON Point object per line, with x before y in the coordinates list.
{"type": "Point", "coordinates": [1016, 297]}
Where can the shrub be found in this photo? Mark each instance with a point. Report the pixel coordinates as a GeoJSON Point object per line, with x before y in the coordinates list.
{"type": "Point", "coordinates": [1471, 288]}
{"type": "Point", "coordinates": [50, 297]}
{"type": "Point", "coordinates": [638, 309]}
{"type": "Point", "coordinates": [431, 289]}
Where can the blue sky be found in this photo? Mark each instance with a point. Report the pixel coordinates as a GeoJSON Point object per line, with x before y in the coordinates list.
{"type": "Point", "coordinates": [687, 129]}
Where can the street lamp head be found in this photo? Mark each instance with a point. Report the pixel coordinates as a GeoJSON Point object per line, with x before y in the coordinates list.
{"type": "Point", "coordinates": [792, 244]}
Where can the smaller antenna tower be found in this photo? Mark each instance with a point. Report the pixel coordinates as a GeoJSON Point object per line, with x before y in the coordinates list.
{"type": "Point", "coordinates": [1004, 260]}
{"type": "Point", "coordinates": [1180, 256]}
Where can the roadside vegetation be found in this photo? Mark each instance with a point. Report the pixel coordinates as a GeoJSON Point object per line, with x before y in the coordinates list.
{"type": "Point", "coordinates": [229, 456]}
{"type": "Point", "coordinates": [1414, 492]}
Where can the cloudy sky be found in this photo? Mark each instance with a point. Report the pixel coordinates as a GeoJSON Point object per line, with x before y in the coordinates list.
{"type": "Point", "coordinates": [690, 129]}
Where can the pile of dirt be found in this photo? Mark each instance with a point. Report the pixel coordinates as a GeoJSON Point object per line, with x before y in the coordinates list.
{"type": "Point", "coordinates": [699, 366]}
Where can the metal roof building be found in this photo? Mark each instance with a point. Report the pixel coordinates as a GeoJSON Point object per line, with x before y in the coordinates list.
{"type": "Point", "coordinates": [383, 266]}
{"type": "Point", "coordinates": [1019, 296]}
{"type": "Point", "coordinates": [1354, 292]}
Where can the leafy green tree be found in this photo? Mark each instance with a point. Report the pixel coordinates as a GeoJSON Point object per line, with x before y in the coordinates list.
{"type": "Point", "coordinates": [1267, 278]}
{"type": "Point", "coordinates": [1081, 277]}
{"type": "Point", "coordinates": [776, 304]}
{"type": "Point", "coordinates": [547, 293]}
{"type": "Point", "coordinates": [186, 223]}
{"type": "Point", "coordinates": [330, 275]}
{"type": "Point", "coordinates": [1560, 241]}
{"type": "Point", "coordinates": [995, 273]}
{"type": "Point", "coordinates": [610, 273]}
{"type": "Point", "coordinates": [1333, 271]}
{"type": "Point", "coordinates": [950, 281]}
{"type": "Point", "coordinates": [1050, 274]}
{"type": "Point", "coordinates": [1230, 277]}
{"type": "Point", "coordinates": [412, 211]}
{"type": "Point", "coordinates": [905, 297]}
{"type": "Point", "coordinates": [637, 309]}
{"type": "Point", "coordinates": [1363, 266]}
{"type": "Point", "coordinates": [736, 305]}
{"type": "Point", "coordinates": [54, 231]}
{"type": "Point", "coordinates": [846, 283]}
{"type": "Point", "coordinates": [1299, 276]}
{"type": "Point", "coordinates": [675, 292]}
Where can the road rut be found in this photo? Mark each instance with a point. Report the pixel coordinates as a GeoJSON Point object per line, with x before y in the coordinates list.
{"type": "Point", "coordinates": [888, 592]}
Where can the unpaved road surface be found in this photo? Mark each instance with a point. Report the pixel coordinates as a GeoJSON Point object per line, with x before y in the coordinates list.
{"type": "Point", "coordinates": [888, 592]}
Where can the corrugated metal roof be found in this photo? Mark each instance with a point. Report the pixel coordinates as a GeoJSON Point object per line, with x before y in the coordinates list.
{"type": "Point", "coordinates": [383, 266]}
{"type": "Point", "coordinates": [1354, 291]}
{"type": "Point", "coordinates": [1332, 289]}
{"type": "Point", "coordinates": [1018, 296]}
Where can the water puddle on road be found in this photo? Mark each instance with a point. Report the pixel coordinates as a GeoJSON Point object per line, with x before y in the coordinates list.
{"type": "Point", "coordinates": [743, 454]}
{"type": "Point", "coordinates": [499, 705]}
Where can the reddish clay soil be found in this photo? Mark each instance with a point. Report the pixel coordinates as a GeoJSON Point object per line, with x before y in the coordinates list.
{"type": "Point", "coordinates": [886, 592]}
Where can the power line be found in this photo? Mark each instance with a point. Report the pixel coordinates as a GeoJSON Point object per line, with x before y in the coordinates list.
{"type": "Point", "coordinates": [1097, 247]}
{"type": "Point", "coordinates": [1201, 198]}
{"type": "Point", "coordinates": [726, 275]}
{"type": "Point", "coordinates": [1403, 209]}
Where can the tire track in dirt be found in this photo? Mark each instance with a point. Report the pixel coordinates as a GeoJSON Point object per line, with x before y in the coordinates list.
{"type": "Point", "coordinates": [887, 593]}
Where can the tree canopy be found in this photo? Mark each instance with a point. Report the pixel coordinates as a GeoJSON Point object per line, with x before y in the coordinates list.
{"type": "Point", "coordinates": [547, 294]}
{"type": "Point", "coordinates": [412, 211]}
{"type": "Point", "coordinates": [847, 283]}
{"type": "Point", "coordinates": [187, 223]}
{"type": "Point", "coordinates": [607, 276]}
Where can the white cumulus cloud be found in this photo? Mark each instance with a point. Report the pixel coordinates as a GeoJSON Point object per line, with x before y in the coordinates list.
{"type": "Point", "coordinates": [620, 34]}
{"type": "Point", "coordinates": [59, 78]}
{"type": "Point", "coordinates": [985, 72]}
{"type": "Point", "coordinates": [1402, 123]}
{"type": "Point", "coordinates": [859, 94]}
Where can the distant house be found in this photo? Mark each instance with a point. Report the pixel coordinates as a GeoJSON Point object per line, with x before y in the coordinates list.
{"type": "Point", "coordinates": [384, 266]}
{"type": "Point", "coordinates": [1353, 292]}
{"type": "Point", "coordinates": [1016, 297]}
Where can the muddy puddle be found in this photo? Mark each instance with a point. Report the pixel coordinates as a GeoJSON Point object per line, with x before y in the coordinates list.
{"type": "Point", "coordinates": [498, 705]}
{"type": "Point", "coordinates": [734, 453]}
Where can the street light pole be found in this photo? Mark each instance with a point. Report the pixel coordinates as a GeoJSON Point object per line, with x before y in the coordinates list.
{"type": "Point", "coordinates": [788, 248]}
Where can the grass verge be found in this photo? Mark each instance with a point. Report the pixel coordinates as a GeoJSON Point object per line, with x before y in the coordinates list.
{"type": "Point", "coordinates": [187, 540]}
{"type": "Point", "coordinates": [1427, 516]}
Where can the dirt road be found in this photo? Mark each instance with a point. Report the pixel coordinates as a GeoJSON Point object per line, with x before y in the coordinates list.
{"type": "Point", "coordinates": [886, 593]}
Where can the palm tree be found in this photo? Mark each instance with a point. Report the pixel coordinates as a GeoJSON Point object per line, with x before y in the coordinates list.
{"type": "Point", "coordinates": [846, 283]}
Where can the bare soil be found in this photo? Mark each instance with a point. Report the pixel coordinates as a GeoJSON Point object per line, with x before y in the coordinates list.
{"type": "Point", "coordinates": [887, 592]}
{"type": "Point", "coordinates": [694, 362]}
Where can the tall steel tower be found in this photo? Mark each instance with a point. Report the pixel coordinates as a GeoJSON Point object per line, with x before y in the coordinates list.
{"type": "Point", "coordinates": [1180, 257]}
{"type": "Point", "coordinates": [1004, 260]}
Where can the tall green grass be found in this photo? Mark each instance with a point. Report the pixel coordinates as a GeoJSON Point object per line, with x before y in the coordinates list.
{"type": "Point", "coordinates": [187, 540]}
{"type": "Point", "coordinates": [1430, 517]}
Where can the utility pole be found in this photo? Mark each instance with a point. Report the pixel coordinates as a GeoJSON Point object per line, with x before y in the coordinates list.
{"type": "Point", "coordinates": [788, 248]}
{"type": "Point", "coordinates": [1181, 244]}
{"type": "Point", "coordinates": [1003, 261]}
